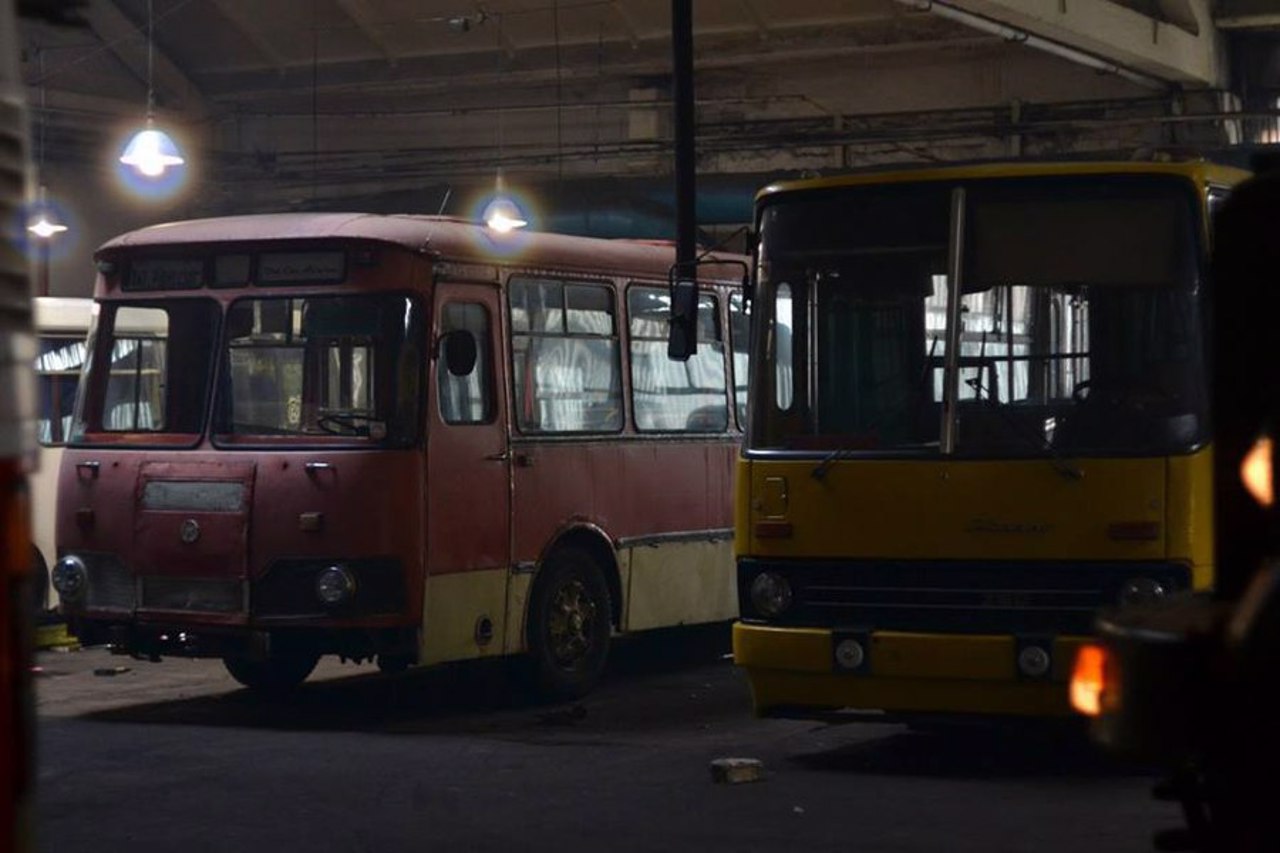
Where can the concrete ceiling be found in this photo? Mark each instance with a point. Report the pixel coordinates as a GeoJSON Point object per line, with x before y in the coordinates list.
{"type": "Point", "coordinates": [324, 103]}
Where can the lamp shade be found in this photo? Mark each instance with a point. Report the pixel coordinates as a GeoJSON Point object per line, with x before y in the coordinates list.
{"type": "Point", "coordinates": [45, 227]}
{"type": "Point", "coordinates": [151, 152]}
{"type": "Point", "coordinates": [42, 220]}
{"type": "Point", "coordinates": [503, 216]}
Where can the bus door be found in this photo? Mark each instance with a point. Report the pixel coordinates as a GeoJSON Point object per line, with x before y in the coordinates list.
{"type": "Point", "coordinates": [468, 479]}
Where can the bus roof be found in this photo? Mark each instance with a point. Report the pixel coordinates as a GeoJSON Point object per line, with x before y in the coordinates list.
{"type": "Point", "coordinates": [439, 236]}
{"type": "Point", "coordinates": [1196, 170]}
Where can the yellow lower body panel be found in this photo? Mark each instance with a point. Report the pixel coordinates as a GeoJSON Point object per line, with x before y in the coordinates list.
{"type": "Point", "coordinates": [792, 672]}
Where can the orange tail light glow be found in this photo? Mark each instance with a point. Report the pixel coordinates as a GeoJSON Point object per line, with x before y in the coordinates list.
{"type": "Point", "coordinates": [1255, 472]}
{"type": "Point", "coordinates": [1088, 680]}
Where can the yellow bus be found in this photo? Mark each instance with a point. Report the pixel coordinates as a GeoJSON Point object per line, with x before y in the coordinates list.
{"type": "Point", "coordinates": [979, 412]}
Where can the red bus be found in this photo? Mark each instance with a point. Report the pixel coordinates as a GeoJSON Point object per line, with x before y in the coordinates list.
{"type": "Point", "coordinates": [400, 438]}
{"type": "Point", "coordinates": [17, 348]}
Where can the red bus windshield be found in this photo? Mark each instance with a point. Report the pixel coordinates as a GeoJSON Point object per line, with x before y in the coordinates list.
{"type": "Point", "coordinates": [328, 370]}
{"type": "Point", "coordinates": [321, 369]}
{"type": "Point", "coordinates": [148, 374]}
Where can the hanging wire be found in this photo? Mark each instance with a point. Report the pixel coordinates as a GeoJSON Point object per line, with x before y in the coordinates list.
{"type": "Point", "coordinates": [498, 50]}
{"type": "Point", "coordinates": [44, 114]}
{"type": "Point", "coordinates": [315, 98]}
{"type": "Point", "coordinates": [559, 100]}
{"type": "Point", "coordinates": [151, 49]}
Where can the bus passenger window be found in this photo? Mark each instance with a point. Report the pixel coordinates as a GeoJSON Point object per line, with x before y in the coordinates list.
{"type": "Point", "coordinates": [466, 399]}
{"type": "Point", "coordinates": [565, 362]}
{"type": "Point", "coordinates": [672, 395]}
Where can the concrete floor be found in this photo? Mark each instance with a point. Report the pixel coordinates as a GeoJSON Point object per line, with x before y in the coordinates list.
{"type": "Point", "coordinates": [173, 756]}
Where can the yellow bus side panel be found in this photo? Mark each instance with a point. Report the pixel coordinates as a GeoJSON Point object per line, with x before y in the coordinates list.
{"type": "Point", "coordinates": [455, 604]}
{"type": "Point", "coordinates": [681, 583]}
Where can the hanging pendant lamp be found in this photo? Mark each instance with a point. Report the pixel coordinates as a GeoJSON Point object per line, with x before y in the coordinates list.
{"type": "Point", "coordinates": [151, 151]}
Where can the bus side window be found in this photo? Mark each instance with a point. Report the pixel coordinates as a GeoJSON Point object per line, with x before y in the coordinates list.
{"type": "Point", "coordinates": [565, 362]}
{"type": "Point", "coordinates": [671, 395]}
{"type": "Point", "coordinates": [57, 376]}
{"type": "Point", "coordinates": [466, 399]}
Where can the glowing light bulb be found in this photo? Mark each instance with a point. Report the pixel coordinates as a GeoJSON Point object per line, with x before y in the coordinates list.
{"type": "Point", "coordinates": [503, 216]}
{"type": "Point", "coordinates": [44, 227]}
{"type": "Point", "coordinates": [151, 152]}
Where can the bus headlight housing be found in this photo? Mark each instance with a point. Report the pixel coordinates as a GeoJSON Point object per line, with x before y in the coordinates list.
{"type": "Point", "coordinates": [771, 594]}
{"type": "Point", "coordinates": [335, 585]}
{"type": "Point", "coordinates": [70, 576]}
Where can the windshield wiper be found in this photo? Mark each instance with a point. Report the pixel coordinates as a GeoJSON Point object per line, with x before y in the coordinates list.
{"type": "Point", "coordinates": [823, 467]}
{"type": "Point", "coordinates": [1056, 459]}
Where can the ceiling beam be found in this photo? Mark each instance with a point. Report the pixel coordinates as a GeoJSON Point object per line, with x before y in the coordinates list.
{"type": "Point", "coordinates": [483, 16]}
{"type": "Point", "coordinates": [1181, 13]}
{"type": "Point", "coordinates": [536, 66]}
{"type": "Point", "coordinates": [1110, 32]}
{"type": "Point", "coordinates": [367, 22]}
{"type": "Point", "coordinates": [1247, 14]}
{"type": "Point", "coordinates": [246, 23]}
{"type": "Point", "coordinates": [128, 42]}
{"type": "Point", "coordinates": [753, 14]}
{"type": "Point", "coordinates": [628, 26]}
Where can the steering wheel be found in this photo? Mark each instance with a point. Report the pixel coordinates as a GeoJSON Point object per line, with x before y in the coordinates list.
{"type": "Point", "coordinates": [346, 423]}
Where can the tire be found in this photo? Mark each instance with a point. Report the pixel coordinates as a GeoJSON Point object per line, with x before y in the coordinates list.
{"type": "Point", "coordinates": [280, 673]}
{"type": "Point", "coordinates": [39, 581]}
{"type": "Point", "coordinates": [569, 625]}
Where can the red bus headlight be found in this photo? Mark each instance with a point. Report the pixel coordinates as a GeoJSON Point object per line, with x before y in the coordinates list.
{"type": "Point", "coordinates": [335, 585]}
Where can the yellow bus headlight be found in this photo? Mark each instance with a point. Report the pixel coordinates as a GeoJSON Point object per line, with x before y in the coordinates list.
{"type": "Point", "coordinates": [771, 594]}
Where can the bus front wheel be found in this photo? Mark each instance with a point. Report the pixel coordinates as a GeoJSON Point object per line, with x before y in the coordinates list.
{"type": "Point", "coordinates": [569, 624]}
{"type": "Point", "coordinates": [279, 673]}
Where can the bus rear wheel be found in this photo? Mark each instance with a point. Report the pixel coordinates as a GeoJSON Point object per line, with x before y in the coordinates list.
{"type": "Point", "coordinates": [278, 673]}
{"type": "Point", "coordinates": [569, 625]}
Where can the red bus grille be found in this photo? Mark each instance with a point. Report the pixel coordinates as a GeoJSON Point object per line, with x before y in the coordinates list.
{"type": "Point", "coordinates": [110, 584]}
{"type": "Point", "coordinates": [195, 595]}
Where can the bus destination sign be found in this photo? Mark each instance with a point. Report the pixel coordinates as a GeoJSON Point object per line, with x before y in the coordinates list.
{"type": "Point", "coordinates": [301, 267]}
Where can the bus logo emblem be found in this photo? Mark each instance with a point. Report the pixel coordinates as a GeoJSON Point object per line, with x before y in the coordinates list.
{"type": "Point", "coordinates": [190, 531]}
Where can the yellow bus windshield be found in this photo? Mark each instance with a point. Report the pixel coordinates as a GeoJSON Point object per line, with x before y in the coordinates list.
{"type": "Point", "coordinates": [1077, 331]}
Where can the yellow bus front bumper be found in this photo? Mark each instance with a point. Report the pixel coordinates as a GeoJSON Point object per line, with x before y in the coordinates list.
{"type": "Point", "coordinates": [792, 672]}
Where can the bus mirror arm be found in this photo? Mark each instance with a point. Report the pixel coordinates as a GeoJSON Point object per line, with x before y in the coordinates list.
{"type": "Point", "coordinates": [682, 283]}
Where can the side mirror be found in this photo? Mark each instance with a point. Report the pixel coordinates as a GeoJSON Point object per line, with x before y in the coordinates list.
{"type": "Point", "coordinates": [682, 280]}
{"type": "Point", "coordinates": [460, 353]}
